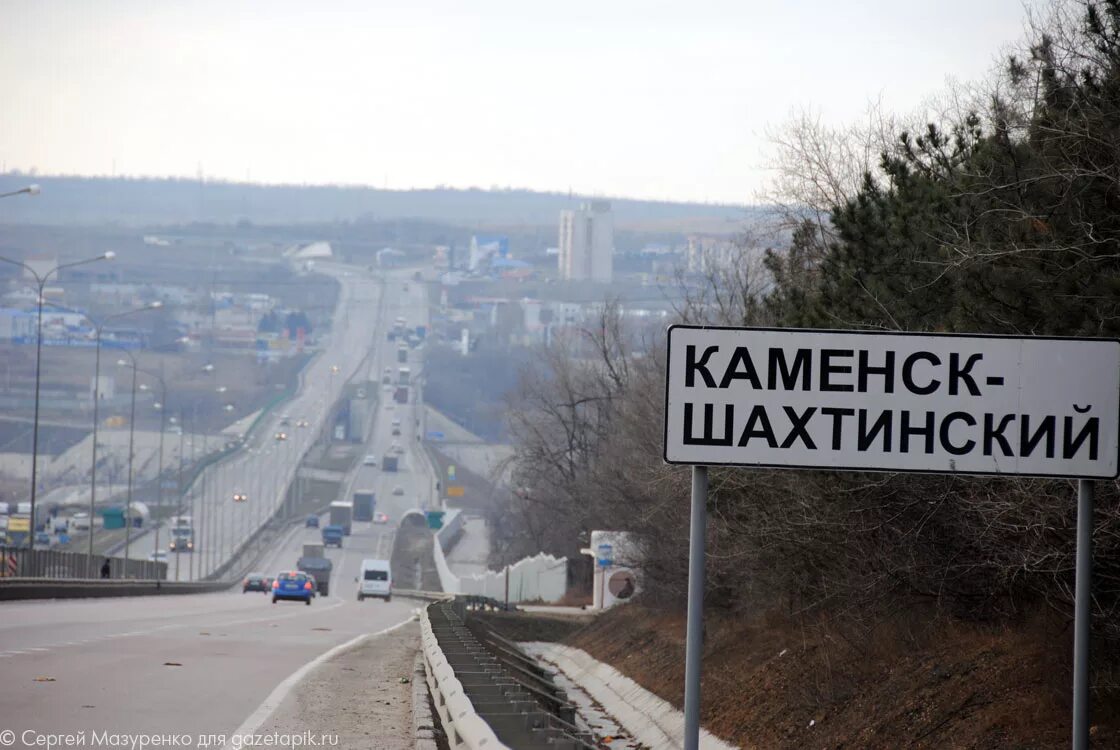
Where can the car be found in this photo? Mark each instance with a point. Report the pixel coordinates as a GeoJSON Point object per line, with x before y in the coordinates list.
{"type": "Point", "coordinates": [42, 538]}
{"type": "Point", "coordinates": [303, 423]}
{"type": "Point", "coordinates": [281, 436]}
{"type": "Point", "coordinates": [240, 497]}
{"type": "Point", "coordinates": [256, 582]}
{"type": "Point", "coordinates": [375, 580]}
{"type": "Point", "coordinates": [398, 490]}
{"type": "Point", "coordinates": [389, 406]}
{"type": "Point", "coordinates": [380, 518]}
{"type": "Point", "coordinates": [396, 421]}
{"type": "Point", "coordinates": [80, 521]}
{"type": "Point", "coordinates": [388, 387]}
{"type": "Point", "coordinates": [396, 431]}
{"type": "Point", "coordinates": [293, 585]}
{"type": "Point", "coordinates": [312, 522]}
{"type": "Point", "coordinates": [159, 555]}
{"type": "Point", "coordinates": [285, 420]}
{"type": "Point", "coordinates": [369, 460]}
{"type": "Point", "coordinates": [396, 448]}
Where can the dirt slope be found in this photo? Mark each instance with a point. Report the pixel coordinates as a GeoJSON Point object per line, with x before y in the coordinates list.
{"type": "Point", "coordinates": [773, 685]}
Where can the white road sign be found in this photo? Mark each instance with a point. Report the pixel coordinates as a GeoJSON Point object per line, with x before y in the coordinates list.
{"type": "Point", "coordinates": [893, 402]}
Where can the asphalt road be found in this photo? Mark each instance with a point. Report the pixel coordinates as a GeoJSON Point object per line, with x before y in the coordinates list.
{"type": "Point", "coordinates": [264, 468]}
{"type": "Point", "coordinates": [204, 664]}
{"type": "Point", "coordinates": [178, 664]}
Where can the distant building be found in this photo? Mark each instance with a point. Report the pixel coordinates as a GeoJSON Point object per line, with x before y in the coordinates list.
{"type": "Point", "coordinates": [485, 250]}
{"type": "Point", "coordinates": [587, 243]}
{"type": "Point", "coordinates": [708, 254]}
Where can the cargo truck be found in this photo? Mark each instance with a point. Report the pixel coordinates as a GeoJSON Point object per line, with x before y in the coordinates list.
{"type": "Point", "coordinates": [320, 568]}
{"type": "Point", "coordinates": [332, 536]}
{"type": "Point", "coordinates": [342, 514]}
{"type": "Point", "coordinates": [364, 502]}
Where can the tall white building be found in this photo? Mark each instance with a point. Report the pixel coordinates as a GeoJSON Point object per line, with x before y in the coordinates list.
{"type": "Point", "coordinates": [587, 243]}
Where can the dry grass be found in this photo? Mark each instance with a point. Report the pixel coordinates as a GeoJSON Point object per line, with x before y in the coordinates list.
{"type": "Point", "coordinates": [908, 680]}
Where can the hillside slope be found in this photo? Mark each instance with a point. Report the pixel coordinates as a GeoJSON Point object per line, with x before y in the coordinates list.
{"type": "Point", "coordinates": [776, 685]}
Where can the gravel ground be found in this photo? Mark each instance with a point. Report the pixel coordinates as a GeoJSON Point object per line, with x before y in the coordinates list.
{"type": "Point", "coordinates": [358, 695]}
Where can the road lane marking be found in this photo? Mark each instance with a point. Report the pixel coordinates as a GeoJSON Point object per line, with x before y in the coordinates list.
{"type": "Point", "coordinates": [277, 696]}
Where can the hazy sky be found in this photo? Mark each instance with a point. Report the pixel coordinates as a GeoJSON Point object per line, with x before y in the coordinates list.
{"type": "Point", "coordinates": [619, 97]}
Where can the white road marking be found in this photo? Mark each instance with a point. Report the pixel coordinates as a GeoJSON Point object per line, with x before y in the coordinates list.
{"type": "Point", "coordinates": [277, 696]}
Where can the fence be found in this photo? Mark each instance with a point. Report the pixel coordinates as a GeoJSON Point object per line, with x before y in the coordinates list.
{"type": "Point", "coordinates": [20, 562]}
{"type": "Point", "coordinates": [538, 578]}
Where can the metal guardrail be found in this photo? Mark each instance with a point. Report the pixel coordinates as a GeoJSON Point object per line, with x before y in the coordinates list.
{"type": "Point", "coordinates": [51, 563]}
{"type": "Point", "coordinates": [462, 726]}
{"type": "Point", "coordinates": [73, 588]}
{"type": "Point", "coordinates": [489, 699]}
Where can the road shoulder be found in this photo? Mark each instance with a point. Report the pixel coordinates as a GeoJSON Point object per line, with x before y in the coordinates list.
{"type": "Point", "coordinates": [357, 695]}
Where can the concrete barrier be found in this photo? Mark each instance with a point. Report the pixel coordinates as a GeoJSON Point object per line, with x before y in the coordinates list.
{"type": "Point", "coordinates": [70, 588]}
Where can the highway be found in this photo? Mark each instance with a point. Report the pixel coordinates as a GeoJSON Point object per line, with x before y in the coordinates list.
{"type": "Point", "coordinates": [109, 661]}
{"type": "Point", "coordinates": [201, 664]}
{"type": "Point", "coordinates": [265, 467]}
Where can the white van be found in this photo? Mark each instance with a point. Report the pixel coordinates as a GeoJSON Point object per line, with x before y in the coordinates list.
{"type": "Point", "coordinates": [376, 579]}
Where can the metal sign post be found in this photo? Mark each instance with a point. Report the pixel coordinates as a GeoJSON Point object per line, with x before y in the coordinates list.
{"type": "Point", "coordinates": [694, 636]}
{"type": "Point", "coordinates": [1082, 614]}
{"type": "Point", "coordinates": [890, 401]}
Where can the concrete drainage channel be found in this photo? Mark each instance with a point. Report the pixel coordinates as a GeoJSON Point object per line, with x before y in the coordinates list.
{"type": "Point", "coordinates": [490, 695]}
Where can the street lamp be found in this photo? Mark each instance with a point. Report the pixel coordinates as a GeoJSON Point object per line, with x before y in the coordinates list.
{"type": "Point", "coordinates": [161, 405]}
{"type": "Point", "coordinates": [131, 453]}
{"type": "Point", "coordinates": [29, 190]}
{"type": "Point", "coordinates": [42, 282]}
{"type": "Point", "coordinates": [96, 401]}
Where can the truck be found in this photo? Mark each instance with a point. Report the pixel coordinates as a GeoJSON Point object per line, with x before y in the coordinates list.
{"type": "Point", "coordinates": [313, 549]}
{"type": "Point", "coordinates": [332, 536]}
{"type": "Point", "coordinates": [182, 539]}
{"type": "Point", "coordinates": [342, 514]}
{"type": "Point", "coordinates": [19, 529]}
{"type": "Point", "coordinates": [363, 502]}
{"type": "Point", "coordinates": [404, 374]}
{"type": "Point", "coordinates": [389, 463]}
{"type": "Point", "coordinates": [182, 534]}
{"type": "Point", "coordinates": [319, 568]}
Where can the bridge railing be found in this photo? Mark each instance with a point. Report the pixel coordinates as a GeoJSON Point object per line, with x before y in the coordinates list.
{"type": "Point", "coordinates": [20, 562]}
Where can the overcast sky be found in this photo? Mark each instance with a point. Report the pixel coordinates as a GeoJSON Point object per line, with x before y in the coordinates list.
{"type": "Point", "coordinates": [617, 97]}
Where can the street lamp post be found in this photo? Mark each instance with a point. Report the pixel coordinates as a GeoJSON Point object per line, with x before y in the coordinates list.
{"type": "Point", "coordinates": [100, 327]}
{"type": "Point", "coordinates": [162, 406]}
{"type": "Point", "coordinates": [42, 282]}
{"type": "Point", "coordinates": [131, 453]}
{"type": "Point", "coordinates": [179, 505]}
